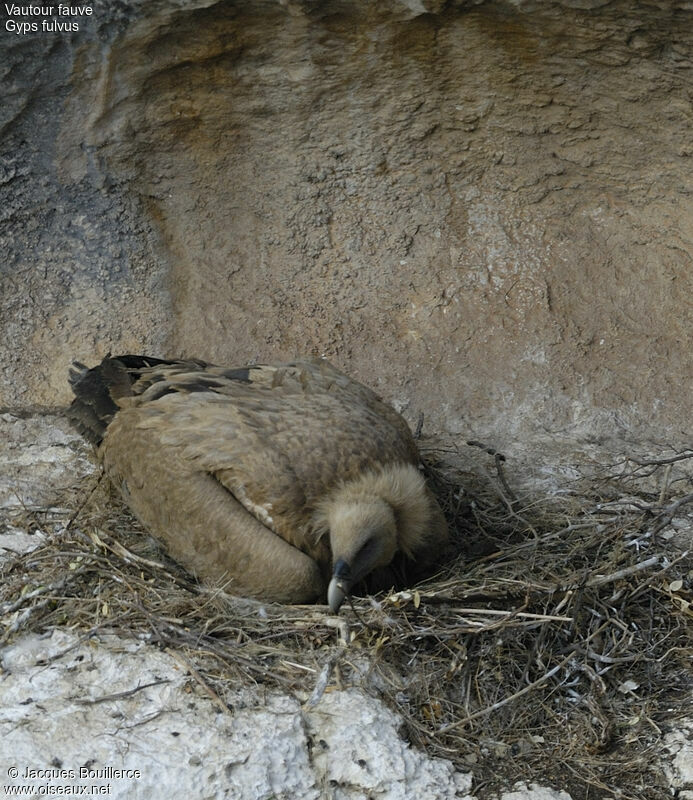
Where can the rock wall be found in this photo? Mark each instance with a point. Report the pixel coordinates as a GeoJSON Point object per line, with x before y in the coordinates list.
{"type": "Point", "coordinates": [482, 209]}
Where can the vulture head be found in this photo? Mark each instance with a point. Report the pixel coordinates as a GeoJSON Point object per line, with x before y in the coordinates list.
{"type": "Point", "coordinates": [373, 517]}
{"type": "Point", "coordinates": [363, 536]}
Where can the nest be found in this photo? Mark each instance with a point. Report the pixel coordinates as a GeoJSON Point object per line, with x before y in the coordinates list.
{"type": "Point", "coordinates": [556, 643]}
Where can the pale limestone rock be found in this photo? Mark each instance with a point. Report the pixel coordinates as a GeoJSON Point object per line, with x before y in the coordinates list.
{"type": "Point", "coordinates": [39, 455]}
{"type": "Point", "coordinates": [679, 744]}
{"type": "Point", "coordinates": [359, 745]}
{"type": "Point", "coordinates": [64, 712]}
{"type": "Point", "coordinates": [523, 791]}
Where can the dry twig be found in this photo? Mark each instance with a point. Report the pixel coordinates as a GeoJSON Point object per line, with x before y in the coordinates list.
{"type": "Point", "coordinates": [532, 588]}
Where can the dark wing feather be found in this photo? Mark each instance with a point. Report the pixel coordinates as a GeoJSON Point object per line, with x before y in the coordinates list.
{"type": "Point", "coordinates": [98, 390]}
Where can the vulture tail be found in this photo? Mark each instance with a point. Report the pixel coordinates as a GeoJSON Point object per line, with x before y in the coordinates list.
{"type": "Point", "coordinates": [97, 390]}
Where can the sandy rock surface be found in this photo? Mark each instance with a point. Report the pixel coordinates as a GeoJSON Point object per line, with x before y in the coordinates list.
{"type": "Point", "coordinates": [490, 199]}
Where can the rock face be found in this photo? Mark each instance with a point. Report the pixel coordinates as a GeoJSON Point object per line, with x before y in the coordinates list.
{"type": "Point", "coordinates": [40, 455]}
{"type": "Point", "coordinates": [482, 209]}
{"type": "Point", "coordinates": [679, 744]}
{"type": "Point", "coordinates": [124, 716]}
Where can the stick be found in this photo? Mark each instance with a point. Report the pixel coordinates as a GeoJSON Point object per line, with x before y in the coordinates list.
{"type": "Point", "coordinates": [200, 680]}
{"type": "Point", "coordinates": [665, 484]}
{"type": "Point", "coordinates": [120, 695]}
{"type": "Point", "coordinates": [672, 507]}
{"type": "Point", "coordinates": [509, 614]}
{"type": "Point", "coordinates": [117, 549]}
{"type": "Point", "coordinates": [82, 506]}
{"type": "Point", "coordinates": [490, 709]}
{"type": "Point", "coordinates": [499, 459]}
{"type": "Point", "coordinates": [324, 678]}
{"type": "Point", "coordinates": [486, 449]}
{"type": "Point", "coordinates": [600, 580]}
{"type": "Point", "coordinates": [8, 608]}
{"type": "Point", "coordinates": [658, 461]}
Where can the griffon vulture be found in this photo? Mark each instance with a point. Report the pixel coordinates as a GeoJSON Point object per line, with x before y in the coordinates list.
{"type": "Point", "coordinates": [293, 480]}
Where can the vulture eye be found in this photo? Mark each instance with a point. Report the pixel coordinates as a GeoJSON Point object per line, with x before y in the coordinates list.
{"type": "Point", "coordinates": [367, 548]}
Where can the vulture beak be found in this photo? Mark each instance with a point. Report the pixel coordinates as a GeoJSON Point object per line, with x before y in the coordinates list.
{"type": "Point", "coordinates": [340, 585]}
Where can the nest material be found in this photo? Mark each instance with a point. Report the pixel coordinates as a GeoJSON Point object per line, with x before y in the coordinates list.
{"type": "Point", "coordinates": [556, 642]}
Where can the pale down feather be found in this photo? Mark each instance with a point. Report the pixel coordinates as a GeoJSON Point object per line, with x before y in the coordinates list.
{"type": "Point", "coordinates": [292, 482]}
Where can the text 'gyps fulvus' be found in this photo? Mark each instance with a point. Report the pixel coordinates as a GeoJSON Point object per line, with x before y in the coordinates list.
{"type": "Point", "coordinates": [292, 481]}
